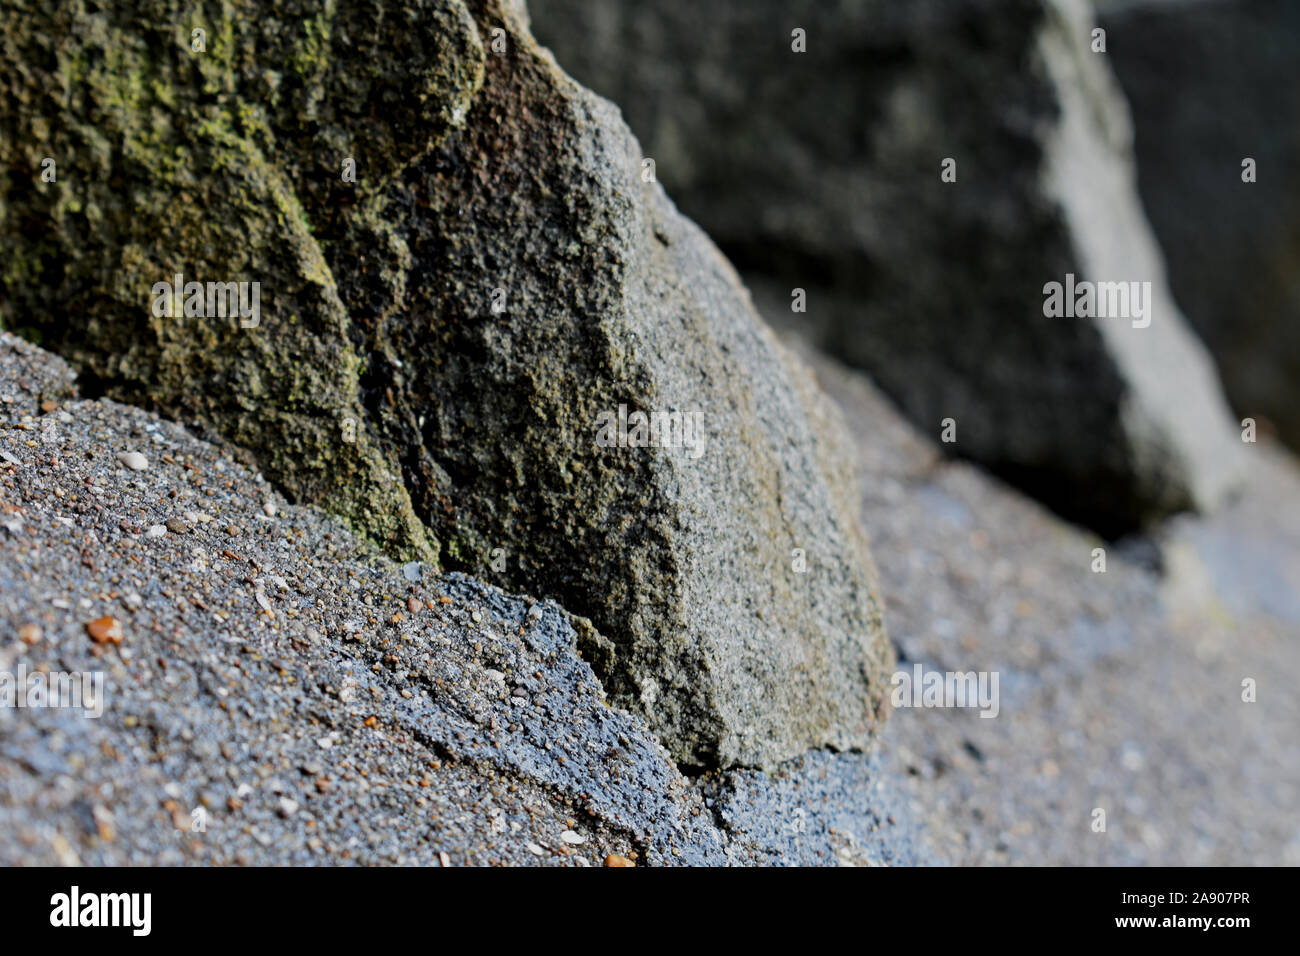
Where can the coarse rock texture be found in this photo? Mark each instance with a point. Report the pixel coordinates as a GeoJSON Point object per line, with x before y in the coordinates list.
{"type": "Point", "coordinates": [1120, 691]}
{"type": "Point", "coordinates": [1211, 84]}
{"type": "Point", "coordinates": [220, 165]}
{"type": "Point", "coordinates": [821, 171]}
{"type": "Point", "coordinates": [310, 702]}
{"type": "Point", "coordinates": [439, 340]}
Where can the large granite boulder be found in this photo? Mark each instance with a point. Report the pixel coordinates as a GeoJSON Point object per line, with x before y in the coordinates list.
{"type": "Point", "coordinates": [824, 171]}
{"type": "Point", "coordinates": [455, 351]}
{"type": "Point", "coordinates": [1212, 85]}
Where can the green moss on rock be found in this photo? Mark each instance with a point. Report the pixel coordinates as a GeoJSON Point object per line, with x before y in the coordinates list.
{"type": "Point", "coordinates": [162, 168]}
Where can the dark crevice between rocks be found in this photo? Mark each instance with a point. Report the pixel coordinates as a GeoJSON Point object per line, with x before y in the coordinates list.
{"type": "Point", "coordinates": [91, 386]}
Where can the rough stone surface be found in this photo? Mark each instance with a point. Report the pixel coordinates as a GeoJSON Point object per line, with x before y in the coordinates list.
{"type": "Point", "coordinates": [499, 277]}
{"type": "Point", "coordinates": [275, 674]}
{"type": "Point", "coordinates": [221, 165]}
{"type": "Point", "coordinates": [821, 171]}
{"type": "Point", "coordinates": [1120, 691]}
{"type": "Point", "coordinates": [1211, 84]}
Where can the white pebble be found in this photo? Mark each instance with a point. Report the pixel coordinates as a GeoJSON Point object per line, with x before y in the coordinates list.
{"type": "Point", "coordinates": [133, 460]}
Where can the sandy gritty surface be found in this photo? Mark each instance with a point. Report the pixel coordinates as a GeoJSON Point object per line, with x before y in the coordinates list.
{"type": "Point", "coordinates": [312, 702]}
{"type": "Point", "coordinates": [324, 705]}
{"type": "Point", "coordinates": [1119, 691]}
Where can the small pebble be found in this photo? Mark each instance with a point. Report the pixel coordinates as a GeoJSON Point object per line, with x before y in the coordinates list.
{"type": "Point", "coordinates": [133, 460]}
{"type": "Point", "coordinates": [177, 526]}
{"type": "Point", "coordinates": [105, 630]}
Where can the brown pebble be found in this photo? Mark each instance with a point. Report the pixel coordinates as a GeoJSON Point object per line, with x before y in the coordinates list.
{"type": "Point", "coordinates": [30, 633]}
{"type": "Point", "coordinates": [48, 406]}
{"type": "Point", "coordinates": [413, 603]}
{"type": "Point", "coordinates": [105, 630]}
{"type": "Point", "coordinates": [177, 526]}
{"type": "Point", "coordinates": [615, 859]}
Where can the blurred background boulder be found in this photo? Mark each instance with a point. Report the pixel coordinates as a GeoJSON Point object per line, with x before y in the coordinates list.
{"type": "Point", "coordinates": [1213, 83]}
{"type": "Point", "coordinates": [920, 172]}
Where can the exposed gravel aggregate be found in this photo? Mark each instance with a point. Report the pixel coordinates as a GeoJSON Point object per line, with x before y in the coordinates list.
{"type": "Point", "coordinates": [311, 702]}
{"type": "Point", "coordinates": [324, 705]}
